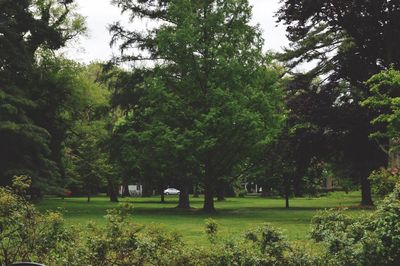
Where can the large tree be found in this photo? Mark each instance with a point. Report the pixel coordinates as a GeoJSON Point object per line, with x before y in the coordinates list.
{"type": "Point", "coordinates": [348, 42]}
{"type": "Point", "coordinates": [85, 126]}
{"type": "Point", "coordinates": [26, 27]}
{"type": "Point", "coordinates": [222, 98]}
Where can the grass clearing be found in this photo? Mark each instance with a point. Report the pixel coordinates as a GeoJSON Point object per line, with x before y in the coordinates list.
{"type": "Point", "coordinates": [234, 216]}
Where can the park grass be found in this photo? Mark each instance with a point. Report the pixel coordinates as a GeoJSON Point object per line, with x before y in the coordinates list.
{"type": "Point", "coordinates": [234, 216]}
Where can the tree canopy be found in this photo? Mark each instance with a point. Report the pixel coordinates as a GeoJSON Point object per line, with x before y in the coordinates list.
{"type": "Point", "coordinates": [27, 28]}
{"type": "Point", "coordinates": [339, 37]}
{"type": "Point", "coordinates": [210, 97]}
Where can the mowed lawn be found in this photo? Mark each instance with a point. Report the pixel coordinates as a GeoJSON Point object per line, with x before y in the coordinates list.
{"type": "Point", "coordinates": [235, 215]}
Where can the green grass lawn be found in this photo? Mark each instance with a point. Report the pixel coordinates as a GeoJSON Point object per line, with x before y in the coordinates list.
{"type": "Point", "coordinates": [235, 215]}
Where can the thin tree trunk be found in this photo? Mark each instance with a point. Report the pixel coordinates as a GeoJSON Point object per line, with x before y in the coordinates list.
{"type": "Point", "coordinates": [162, 196]}
{"type": "Point", "coordinates": [125, 192]}
{"type": "Point", "coordinates": [184, 202]}
{"type": "Point", "coordinates": [264, 192]}
{"type": "Point", "coordinates": [366, 198]}
{"type": "Point", "coordinates": [112, 192]}
{"type": "Point", "coordinates": [220, 192]}
{"type": "Point", "coordinates": [208, 196]}
{"type": "Point", "coordinates": [146, 190]}
{"type": "Point", "coordinates": [287, 201]}
{"type": "Point", "coordinates": [287, 192]}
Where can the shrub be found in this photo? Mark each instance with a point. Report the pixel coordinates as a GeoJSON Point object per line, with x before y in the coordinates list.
{"type": "Point", "coordinates": [373, 239]}
{"type": "Point", "coordinates": [384, 180]}
{"type": "Point", "coordinates": [269, 240]}
{"type": "Point", "coordinates": [114, 244]}
{"type": "Point", "coordinates": [211, 229]}
{"type": "Point", "coordinates": [26, 234]}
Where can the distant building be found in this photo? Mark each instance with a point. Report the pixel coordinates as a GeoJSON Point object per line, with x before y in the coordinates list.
{"type": "Point", "coordinates": [133, 190]}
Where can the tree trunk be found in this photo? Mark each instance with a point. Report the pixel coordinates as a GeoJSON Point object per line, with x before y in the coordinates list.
{"type": "Point", "coordinates": [287, 191]}
{"type": "Point", "coordinates": [146, 190]}
{"type": "Point", "coordinates": [125, 192]}
{"type": "Point", "coordinates": [366, 198]}
{"type": "Point", "coordinates": [208, 196]}
{"type": "Point", "coordinates": [184, 202]}
{"type": "Point", "coordinates": [287, 201]}
{"type": "Point", "coordinates": [162, 197]}
{"type": "Point", "coordinates": [112, 191]}
{"type": "Point", "coordinates": [220, 192]}
{"type": "Point", "coordinates": [265, 192]}
{"type": "Point", "coordinates": [161, 192]}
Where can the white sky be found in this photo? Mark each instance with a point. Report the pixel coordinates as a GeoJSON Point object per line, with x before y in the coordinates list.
{"type": "Point", "coordinates": [100, 14]}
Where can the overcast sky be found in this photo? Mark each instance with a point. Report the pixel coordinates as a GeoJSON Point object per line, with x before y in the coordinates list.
{"type": "Point", "coordinates": [100, 14]}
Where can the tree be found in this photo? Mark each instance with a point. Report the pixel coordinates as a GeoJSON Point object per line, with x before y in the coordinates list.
{"type": "Point", "coordinates": [84, 155]}
{"type": "Point", "coordinates": [385, 98]}
{"type": "Point", "coordinates": [145, 142]}
{"type": "Point", "coordinates": [27, 27]}
{"type": "Point", "coordinates": [208, 62]}
{"type": "Point", "coordinates": [341, 36]}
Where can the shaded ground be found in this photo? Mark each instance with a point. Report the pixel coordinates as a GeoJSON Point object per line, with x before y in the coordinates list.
{"type": "Point", "coordinates": [235, 215]}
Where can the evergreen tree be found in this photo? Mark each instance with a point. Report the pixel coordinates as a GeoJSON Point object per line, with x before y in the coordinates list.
{"type": "Point", "coordinates": [25, 28]}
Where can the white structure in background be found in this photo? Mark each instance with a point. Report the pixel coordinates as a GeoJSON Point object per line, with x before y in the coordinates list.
{"type": "Point", "coordinates": [133, 190]}
{"type": "Point", "coordinates": [252, 188]}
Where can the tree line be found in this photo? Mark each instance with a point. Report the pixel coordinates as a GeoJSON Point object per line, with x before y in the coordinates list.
{"type": "Point", "coordinates": [194, 101]}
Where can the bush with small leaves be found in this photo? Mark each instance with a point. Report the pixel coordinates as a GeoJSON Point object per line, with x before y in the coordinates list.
{"type": "Point", "coordinates": [373, 239]}
{"type": "Point", "coordinates": [117, 242]}
{"type": "Point", "coordinates": [384, 180]}
{"type": "Point", "coordinates": [211, 229]}
{"type": "Point", "coordinates": [270, 241]}
{"type": "Point", "coordinates": [28, 235]}
{"type": "Point", "coordinates": [327, 221]}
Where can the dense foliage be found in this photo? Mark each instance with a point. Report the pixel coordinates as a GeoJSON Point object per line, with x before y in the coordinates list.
{"type": "Point", "coordinates": [370, 240]}
{"type": "Point", "coordinates": [385, 99]}
{"type": "Point", "coordinates": [193, 102]}
{"type": "Point", "coordinates": [336, 38]}
{"type": "Point", "coordinates": [207, 100]}
{"type": "Point", "coordinates": [29, 235]}
{"type": "Point", "coordinates": [31, 98]}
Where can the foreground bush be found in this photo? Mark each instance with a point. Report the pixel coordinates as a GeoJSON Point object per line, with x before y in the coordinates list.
{"type": "Point", "coordinates": [373, 239]}
{"type": "Point", "coordinates": [384, 180]}
{"type": "Point", "coordinates": [27, 235]}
